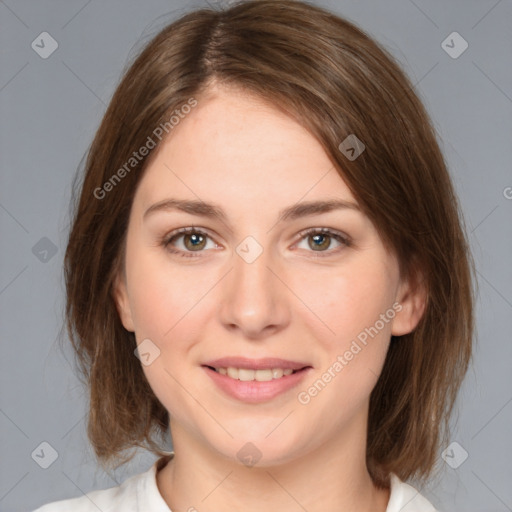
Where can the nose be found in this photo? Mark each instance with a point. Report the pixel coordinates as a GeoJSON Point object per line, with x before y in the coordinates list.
{"type": "Point", "coordinates": [254, 298]}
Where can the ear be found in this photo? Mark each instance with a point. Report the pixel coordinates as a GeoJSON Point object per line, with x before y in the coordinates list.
{"type": "Point", "coordinates": [412, 297]}
{"type": "Point", "coordinates": [120, 294]}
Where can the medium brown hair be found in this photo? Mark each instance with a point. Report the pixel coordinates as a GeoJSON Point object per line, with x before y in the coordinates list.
{"type": "Point", "coordinates": [334, 80]}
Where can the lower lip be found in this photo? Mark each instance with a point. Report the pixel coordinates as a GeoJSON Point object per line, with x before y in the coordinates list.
{"type": "Point", "coordinates": [254, 391]}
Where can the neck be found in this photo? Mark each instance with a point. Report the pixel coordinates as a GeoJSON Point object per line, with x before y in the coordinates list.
{"type": "Point", "coordinates": [330, 477]}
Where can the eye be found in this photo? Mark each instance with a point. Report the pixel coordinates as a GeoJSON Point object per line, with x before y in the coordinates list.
{"type": "Point", "coordinates": [320, 240]}
{"type": "Point", "coordinates": [194, 240]}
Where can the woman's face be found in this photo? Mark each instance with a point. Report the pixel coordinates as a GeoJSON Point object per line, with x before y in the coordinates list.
{"type": "Point", "coordinates": [248, 282]}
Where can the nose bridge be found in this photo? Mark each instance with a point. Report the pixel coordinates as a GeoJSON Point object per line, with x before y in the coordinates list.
{"type": "Point", "coordinates": [251, 272]}
{"type": "Point", "coordinates": [254, 299]}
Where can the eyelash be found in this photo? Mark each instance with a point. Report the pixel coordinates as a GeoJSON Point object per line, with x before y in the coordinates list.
{"type": "Point", "coordinates": [343, 239]}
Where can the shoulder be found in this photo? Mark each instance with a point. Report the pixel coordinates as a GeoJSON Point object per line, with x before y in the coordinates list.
{"type": "Point", "coordinates": [138, 493]}
{"type": "Point", "coordinates": [405, 498]}
{"type": "Point", "coordinates": [106, 500]}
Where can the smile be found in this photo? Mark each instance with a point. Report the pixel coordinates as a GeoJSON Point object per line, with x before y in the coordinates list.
{"type": "Point", "coordinates": [246, 374]}
{"type": "Point", "coordinates": [255, 385]}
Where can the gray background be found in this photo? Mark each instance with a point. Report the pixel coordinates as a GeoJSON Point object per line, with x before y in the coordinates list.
{"type": "Point", "coordinates": [50, 109]}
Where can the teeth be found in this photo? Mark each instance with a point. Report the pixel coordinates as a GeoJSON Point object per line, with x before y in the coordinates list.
{"type": "Point", "coordinates": [245, 374]}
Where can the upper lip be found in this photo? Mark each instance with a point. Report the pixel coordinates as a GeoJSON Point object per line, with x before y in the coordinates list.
{"type": "Point", "coordinates": [255, 364]}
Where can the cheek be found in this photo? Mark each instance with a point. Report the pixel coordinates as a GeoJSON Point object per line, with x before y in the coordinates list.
{"type": "Point", "coordinates": [354, 353]}
{"type": "Point", "coordinates": [166, 309]}
{"type": "Point", "coordinates": [351, 330]}
{"type": "Point", "coordinates": [344, 302]}
{"type": "Point", "coordinates": [165, 300]}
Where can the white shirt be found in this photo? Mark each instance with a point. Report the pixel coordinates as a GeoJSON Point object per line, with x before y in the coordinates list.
{"type": "Point", "coordinates": [140, 493]}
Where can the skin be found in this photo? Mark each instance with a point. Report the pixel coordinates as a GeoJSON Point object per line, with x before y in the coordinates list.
{"type": "Point", "coordinates": [252, 160]}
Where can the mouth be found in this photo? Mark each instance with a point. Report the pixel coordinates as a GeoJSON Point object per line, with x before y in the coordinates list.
{"type": "Point", "coordinates": [260, 375]}
{"type": "Point", "coordinates": [255, 380]}
{"type": "Point", "coordinates": [261, 370]}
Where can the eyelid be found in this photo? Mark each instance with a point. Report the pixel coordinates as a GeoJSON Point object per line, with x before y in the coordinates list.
{"type": "Point", "coordinates": [166, 240]}
{"type": "Point", "coordinates": [341, 237]}
{"type": "Point", "coordinates": [329, 231]}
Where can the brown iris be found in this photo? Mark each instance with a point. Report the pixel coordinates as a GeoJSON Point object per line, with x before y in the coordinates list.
{"type": "Point", "coordinates": [197, 241]}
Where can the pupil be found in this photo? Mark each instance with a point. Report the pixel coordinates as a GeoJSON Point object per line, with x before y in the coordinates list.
{"type": "Point", "coordinates": [194, 240]}
{"type": "Point", "coordinates": [320, 238]}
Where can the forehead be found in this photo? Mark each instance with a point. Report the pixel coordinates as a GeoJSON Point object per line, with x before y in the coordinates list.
{"type": "Point", "coordinates": [235, 146]}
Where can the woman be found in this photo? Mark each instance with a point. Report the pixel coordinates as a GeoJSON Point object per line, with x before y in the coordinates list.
{"type": "Point", "coordinates": [267, 258]}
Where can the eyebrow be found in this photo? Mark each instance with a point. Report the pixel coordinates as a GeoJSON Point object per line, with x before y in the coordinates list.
{"type": "Point", "coordinates": [213, 211]}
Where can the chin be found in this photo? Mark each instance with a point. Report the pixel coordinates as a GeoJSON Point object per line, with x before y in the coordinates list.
{"type": "Point", "coordinates": [259, 450]}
